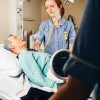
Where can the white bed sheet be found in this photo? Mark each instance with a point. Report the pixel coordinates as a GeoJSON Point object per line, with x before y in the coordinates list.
{"type": "Point", "coordinates": [14, 88]}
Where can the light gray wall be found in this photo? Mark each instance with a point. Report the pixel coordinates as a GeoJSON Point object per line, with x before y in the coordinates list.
{"type": "Point", "coordinates": [4, 19]}
{"type": "Point", "coordinates": [32, 9]}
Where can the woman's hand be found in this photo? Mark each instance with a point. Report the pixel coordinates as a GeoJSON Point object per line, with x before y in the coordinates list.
{"type": "Point", "coordinates": [36, 45]}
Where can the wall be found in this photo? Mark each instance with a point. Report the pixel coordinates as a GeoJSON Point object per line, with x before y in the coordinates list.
{"type": "Point", "coordinates": [8, 18]}
{"type": "Point", "coordinates": [32, 10]}
{"type": "Point", "coordinates": [4, 19]}
{"type": "Point", "coordinates": [76, 10]}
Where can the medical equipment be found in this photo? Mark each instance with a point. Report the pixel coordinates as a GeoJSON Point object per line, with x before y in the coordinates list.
{"type": "Point", "coordinates": [57, 62]}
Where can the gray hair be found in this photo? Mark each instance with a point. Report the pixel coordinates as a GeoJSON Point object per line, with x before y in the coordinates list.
{"type": "Point", "coordinates": [7, 43]}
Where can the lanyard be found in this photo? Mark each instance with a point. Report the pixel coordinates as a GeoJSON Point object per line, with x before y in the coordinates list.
{"type": "Point", "coordinates": [48, 38]}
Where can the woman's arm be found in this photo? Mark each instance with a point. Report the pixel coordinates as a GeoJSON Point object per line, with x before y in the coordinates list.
{"type": "Point", "coordinates": [71, 47]}
{"type": "Point", "coordinates": [36, 45]}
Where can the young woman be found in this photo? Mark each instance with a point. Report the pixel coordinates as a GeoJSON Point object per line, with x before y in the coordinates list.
{"type": "Point", "coordinates": [56, 32]}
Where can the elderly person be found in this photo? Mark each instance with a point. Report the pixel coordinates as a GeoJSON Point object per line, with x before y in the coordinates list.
{"type": "Point", "coordinates": [35, 65]}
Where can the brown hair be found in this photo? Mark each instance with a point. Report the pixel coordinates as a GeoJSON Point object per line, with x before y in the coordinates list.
{"type": "Point", "coordinates": [59, 4]}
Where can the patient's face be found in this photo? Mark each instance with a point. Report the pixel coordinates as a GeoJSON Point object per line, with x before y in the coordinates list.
{"type": "Point", "coordinates": [17, 41]}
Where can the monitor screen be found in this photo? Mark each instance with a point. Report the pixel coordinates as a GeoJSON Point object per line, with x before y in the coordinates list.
{"type": "Point", "coordinates": [58, 62]}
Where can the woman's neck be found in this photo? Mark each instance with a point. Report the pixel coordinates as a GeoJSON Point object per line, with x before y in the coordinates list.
{"type": "Point", "coordinates": [56, 20]}
{"type": "Point", "coordinates": [57, 23]}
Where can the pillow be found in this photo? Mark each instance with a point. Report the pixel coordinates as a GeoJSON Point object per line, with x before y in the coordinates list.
{"type": "Point", "coordinates": [8, 62]}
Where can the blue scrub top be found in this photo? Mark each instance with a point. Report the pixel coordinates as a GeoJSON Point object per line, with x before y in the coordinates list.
{"type": "Point", "coordinates": [57, 38]}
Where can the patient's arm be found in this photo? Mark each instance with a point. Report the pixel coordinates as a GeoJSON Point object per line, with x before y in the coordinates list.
{"type": "Point", "coordinates": [43, 60]}
{"type": "Point", "coordinates": [30, 67]}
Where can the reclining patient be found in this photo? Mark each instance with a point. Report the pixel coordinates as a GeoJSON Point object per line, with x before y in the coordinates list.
{"type": "Point", "coordinates": [34, 64]}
